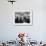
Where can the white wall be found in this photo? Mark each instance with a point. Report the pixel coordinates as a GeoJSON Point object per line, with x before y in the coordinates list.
{"type": "Point", "coordinates": [9, 31]}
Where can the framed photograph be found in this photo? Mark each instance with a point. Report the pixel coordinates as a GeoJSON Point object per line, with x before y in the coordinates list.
{"type": "Point", "coordinates": [23, 18]}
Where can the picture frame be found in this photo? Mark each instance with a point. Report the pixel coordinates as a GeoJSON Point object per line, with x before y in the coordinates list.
{"type": "Point", "coordinates": [23, 18]}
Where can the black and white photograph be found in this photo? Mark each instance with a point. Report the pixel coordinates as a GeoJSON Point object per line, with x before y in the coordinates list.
{"type": "Point", "coordinates": [23, 18]}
